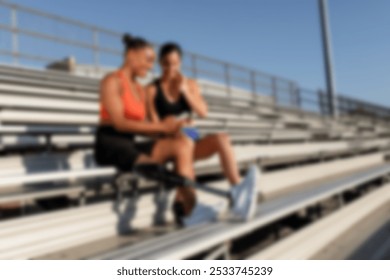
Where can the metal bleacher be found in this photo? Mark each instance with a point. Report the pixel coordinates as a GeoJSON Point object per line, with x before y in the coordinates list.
{"type": "Point", "coordinates": [318, 236]}
{"type": "Point", "coordinates": [47, 123]}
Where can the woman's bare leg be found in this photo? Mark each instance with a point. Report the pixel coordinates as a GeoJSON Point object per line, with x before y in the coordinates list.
{"type": "Point", "coordinates": [219, 143]}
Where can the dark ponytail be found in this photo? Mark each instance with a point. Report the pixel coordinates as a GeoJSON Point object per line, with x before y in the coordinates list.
{"type": "Point", "coordinates": [134, 43]}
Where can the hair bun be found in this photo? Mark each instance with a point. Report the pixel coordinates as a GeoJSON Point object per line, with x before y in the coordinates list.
{"type": "Point", "coordinates": [127, 38]}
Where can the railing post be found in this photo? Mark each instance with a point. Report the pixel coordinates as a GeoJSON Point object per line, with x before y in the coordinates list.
{"type": "Point", "coordinates": [293, 94]}
{"type": "Point", "coordinates": [253, 85]}
{"type": "Point", "coordinates": [298, 96]}
{"type": "Point", "coordinates": [96, 48]}
{"type": "Point", "coordinates": [15, 38]}
{"type": "Point", "coordinates": [227, 78]}
{"type": "Point", "coordinates": [322, 103]}
{"type": "Point", "coordinates": [253, 82]}
{"type": "Point", "coordinates": [274, 89]}
{"type": "Point", "coordinates": [344, 105]}
{"type": "Point", "coordinates": [193, 66]}
{"type": "Point", "coordinates": [330, 104]}
{"type": "Point", "coordinates": [352, 107]}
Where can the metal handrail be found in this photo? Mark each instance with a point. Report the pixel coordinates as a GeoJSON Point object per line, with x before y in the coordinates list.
{"type": "Point", "coordinates": [283, 91]}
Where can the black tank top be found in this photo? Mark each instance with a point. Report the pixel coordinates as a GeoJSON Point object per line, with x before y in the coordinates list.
{"type": "Point", "coordinates": [166, 108]}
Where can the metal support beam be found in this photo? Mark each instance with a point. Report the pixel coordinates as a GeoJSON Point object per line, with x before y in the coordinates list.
{"type": "Point", "coordinates": [327, 48]}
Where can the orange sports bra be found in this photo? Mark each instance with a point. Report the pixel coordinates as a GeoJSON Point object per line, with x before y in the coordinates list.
{"type": "Point", "coordinates": [134, 109]}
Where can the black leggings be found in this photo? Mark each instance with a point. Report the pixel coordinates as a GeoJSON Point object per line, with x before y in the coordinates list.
{"type": "Point", "coordinates": [119, 149]}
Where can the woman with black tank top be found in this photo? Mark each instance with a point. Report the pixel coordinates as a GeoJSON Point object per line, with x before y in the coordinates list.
{"type": "Point", "coordinates": [171, 95]}
{"type": "Point", "coordinates": [123, 116]}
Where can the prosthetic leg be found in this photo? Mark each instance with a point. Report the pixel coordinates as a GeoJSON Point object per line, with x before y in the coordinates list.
{"type": "Point", "coordinates": [242, 197]}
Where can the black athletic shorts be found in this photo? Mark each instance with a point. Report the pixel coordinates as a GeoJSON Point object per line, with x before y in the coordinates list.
{"type": "Point", "coordinates": [119, 149]}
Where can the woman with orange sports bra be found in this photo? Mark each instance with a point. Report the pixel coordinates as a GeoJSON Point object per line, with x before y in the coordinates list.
{"type": "Point", "coordinates": [123, 116]}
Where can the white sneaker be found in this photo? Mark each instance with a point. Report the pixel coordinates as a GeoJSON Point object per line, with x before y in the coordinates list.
{"type": "Point", "coordinates": [203, 213]}
{"type": "Point", "coordinates": [244, 195]}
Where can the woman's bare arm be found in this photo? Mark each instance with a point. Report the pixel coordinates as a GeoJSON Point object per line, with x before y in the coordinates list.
{"type": "Point", "coordinates": [194, 97]}
{"type": "Point", "coordinates": [110, 95]}
{"type": "Point", "coordinates": [151, 108]}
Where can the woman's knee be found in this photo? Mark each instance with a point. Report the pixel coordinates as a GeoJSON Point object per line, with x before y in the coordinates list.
{"type": "Point", "coordinates": [184, 144]}
{"type": "Point", "coordinates": [222, 138]}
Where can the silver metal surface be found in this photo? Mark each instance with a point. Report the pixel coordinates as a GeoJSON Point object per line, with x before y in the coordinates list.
{"type": "Point", "coordinates": [185, 243]}
{"type": "Point", "coordinates": [327, 48]}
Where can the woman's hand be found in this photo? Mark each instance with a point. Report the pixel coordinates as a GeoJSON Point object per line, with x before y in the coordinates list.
{"type": "Point", "coordinates": [190, 90]}
{"type": "Point", "coordinates": [183, 84]}
{"type": "Point", "coordinates": [172, 126]}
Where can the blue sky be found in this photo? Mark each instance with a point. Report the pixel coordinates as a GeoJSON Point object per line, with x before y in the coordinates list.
{"type": "Point", "coordinates": [277, 36]}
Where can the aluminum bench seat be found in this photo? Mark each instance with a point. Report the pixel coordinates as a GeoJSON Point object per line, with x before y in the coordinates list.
{"type": "Point", "coordinates": [52, 75]}
{"type": "Point", "coordinates": [47, 84]}
{"type": "Point", "coordinates": [188, 242]}
{"type": "Point", "coordinates": [319, 235]}
{"type": "Point", "coordinates": [101, 222]}
{"type": "Point", "coordinates": [28, 195]}
{"type": "Point", "coordinates": [38, 91]}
